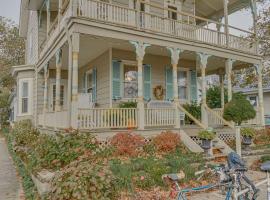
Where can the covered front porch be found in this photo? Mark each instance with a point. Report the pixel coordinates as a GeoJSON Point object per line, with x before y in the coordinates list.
{"type": "Point", "coordinates": [84, 86]}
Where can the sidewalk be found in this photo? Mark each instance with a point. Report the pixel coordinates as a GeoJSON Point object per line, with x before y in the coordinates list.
{"type": "Point", "coordinates": [10, 187]}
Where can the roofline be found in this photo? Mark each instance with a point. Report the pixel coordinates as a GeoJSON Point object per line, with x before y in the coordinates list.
{"type": "Point", "coordinates": [20, 68]}
{"type": "Point", "coordinates": [252, 90]}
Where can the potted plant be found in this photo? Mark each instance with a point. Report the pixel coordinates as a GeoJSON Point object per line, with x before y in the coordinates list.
{"type": "Point", "coordinates": [206, 136]}
{"type": "Point", "coordinates": [248, 134]}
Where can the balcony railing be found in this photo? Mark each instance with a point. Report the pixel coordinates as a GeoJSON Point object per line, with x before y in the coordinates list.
{"type": "Point", "coordinates": [205, 31]}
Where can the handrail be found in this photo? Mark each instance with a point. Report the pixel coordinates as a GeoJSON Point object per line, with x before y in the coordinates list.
{"type": "Point", "coordinates": [180, 107]}
{"type": "Point", "coordinates": [219, 117]}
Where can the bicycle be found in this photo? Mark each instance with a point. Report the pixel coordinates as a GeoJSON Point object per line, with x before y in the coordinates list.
{"type": "Point", "coordinates": [228, 179]}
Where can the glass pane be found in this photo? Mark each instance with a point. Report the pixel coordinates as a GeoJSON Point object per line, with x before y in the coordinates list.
{"type": "Point", "coordinates": [62, 95]}
{"type": "Point", "coordinates": [24, 105]}
{"type": "Point", "coordinates": [25, 89]}
{"type": "Point", "coordinates": [130, 82]}
{"type": "Point", "coordinates": [182, 84]}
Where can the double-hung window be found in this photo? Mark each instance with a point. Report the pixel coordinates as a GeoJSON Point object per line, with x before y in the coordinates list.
{"type": "Point", "coordinates": [25, 97]}
{"type": "Point", "coordinates": [130, 81]}
{"type": "Point", "coordinates": [182, 85]}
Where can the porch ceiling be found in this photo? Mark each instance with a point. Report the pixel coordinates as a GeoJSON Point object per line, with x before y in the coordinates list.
{"type": "Point", "coordinates": [91, 47]}
{"type": "Point", "coordinates": [214, 9]}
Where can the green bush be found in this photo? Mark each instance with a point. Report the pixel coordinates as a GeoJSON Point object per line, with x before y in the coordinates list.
{"type": "Point", "coordinates": [84, 180]}
{"type": "Point", "coordinates": [4, 107]}
{"type": "Point", "coordinates": [248, 132]}
{"type": "Point", "coordinates": [213, 97]}
{"type": "Point", "coordinates": [239, 109]}
{"type": "Point", "coordinates": [129, 104]}
{"type": "Point", "coordinates": [24, 133]}
{"type": "Point", "coordinates": [207, 135]}
{"type": "Point", "coordinates": [195, 110]}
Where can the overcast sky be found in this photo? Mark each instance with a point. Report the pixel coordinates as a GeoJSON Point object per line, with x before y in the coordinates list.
{"type": "Point", "coordinates": [11, 9]}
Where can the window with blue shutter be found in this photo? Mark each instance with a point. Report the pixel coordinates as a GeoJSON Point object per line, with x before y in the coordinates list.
{"type": "Point", "coordinates": [147, 82]}
{"type": "Point", "coordinates": [116, 80]}
{"type": "Point", "coordinates": [94, 85]}
{"type": "Point", "coordinates": [193, 86]}
{"type": "Point", "coordinates": [169, 83]}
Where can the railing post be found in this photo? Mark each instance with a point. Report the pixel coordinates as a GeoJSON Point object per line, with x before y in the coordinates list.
{"type": "Point", "coordinates": [238, 140]}
{"type": "Point", "coordinates": [203, 64]}
{"type": "Point", "coordinates": [140, 52]}
{"type": "Point", "coordinates": [175, 53]}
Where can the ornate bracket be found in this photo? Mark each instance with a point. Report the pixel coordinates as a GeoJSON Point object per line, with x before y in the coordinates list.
{"type": "Point", "coordinates": [140, 49]}
{"type": "Point", "coordinates": [203, 59]}
{"type": "Point", "coordinates": [229, 65]}
{"type": "Point", "coordinates": [175, 54]}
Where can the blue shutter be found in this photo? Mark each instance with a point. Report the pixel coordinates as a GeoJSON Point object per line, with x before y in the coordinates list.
{"type": "Point", "coordinates": [116, 80]}
{"type": "Point", "coordinates": [169, 83]}
{"type": "Point", "coordinates": [193, 86]}
{"type": "Point", "coordinates": [147, 82]}
{"type": "Point", "coordinates": [94, 85]}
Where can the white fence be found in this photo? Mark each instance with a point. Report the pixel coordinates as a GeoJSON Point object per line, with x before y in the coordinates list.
{"type": "Point", "coordinates": [159, 117]}
{"type": "Point", "coordinates": [102, 118]}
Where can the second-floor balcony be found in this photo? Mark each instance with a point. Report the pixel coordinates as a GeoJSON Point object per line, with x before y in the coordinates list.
{"type": "Point", "coordinates": [185, 26]}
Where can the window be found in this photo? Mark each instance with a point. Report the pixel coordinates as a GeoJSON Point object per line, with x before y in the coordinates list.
{"type": "Point", "coordinates": [89, 82]}
{"type": "Point", "coordinates": [25, 97]}
{"type": "Point", "coordinates": [61, 96]}
{"type": "Point", "coordinates": [182, 84]}
{"type": "Point", "coordinates": [142, 7]}
{"type": "Point", "coordinates": [130, 82]}
{"type": "Point", "coordinates": [172, 12]}
{"type": "Point", "coordinates": [253, 100]}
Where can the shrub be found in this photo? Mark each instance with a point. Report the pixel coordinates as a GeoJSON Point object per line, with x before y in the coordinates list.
{"type": "Point", "coordinates": [194, 110]}
{"type": "Point", "coordinates": [53, 153]}
{"type": "Point", "coordinates": [127, 143]}
{"type": "Point", "coordinates": [207, 135]}
{"type": "Point", "coordinates": [248, 132]}
{"type": "Point", "coordinates": [24, 133]}
{"type": "Point", "coordinates": [83, 180]}
{"type": "Point", "coordinates": [213, 97]}
{"type": "Point", "coordinates": [167, 141]}
{"type": "Point", "coordinates": [238, 110]}
{"type": "Point", "coordinates": [129, 104]}
{"type": "Point", "coordinates": [262, 137]}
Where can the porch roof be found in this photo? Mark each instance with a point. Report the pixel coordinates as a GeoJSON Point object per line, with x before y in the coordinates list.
{"type": "Point", "coordinates": [214, 9]}
{"type": "Point", "coordinates": [19, 68]}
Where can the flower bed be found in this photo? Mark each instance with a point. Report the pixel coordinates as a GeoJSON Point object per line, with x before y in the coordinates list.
{"type": "Point", "coordinates": [81, 169]}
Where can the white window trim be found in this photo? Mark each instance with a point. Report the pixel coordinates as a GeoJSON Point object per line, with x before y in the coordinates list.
{"type": "Point", "coordinates": [30, 96]}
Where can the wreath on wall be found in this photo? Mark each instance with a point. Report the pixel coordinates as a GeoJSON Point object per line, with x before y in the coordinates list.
{"type": "Point", "coordinates": [159, 92]}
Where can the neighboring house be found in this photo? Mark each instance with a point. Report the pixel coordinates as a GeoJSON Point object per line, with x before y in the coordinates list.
{"type": "Point", "coordinates": [253, 97]}
{"type": "Point", "coordinates": [91, 55]}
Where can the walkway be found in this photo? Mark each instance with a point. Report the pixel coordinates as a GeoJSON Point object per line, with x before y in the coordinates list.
{"type": "Point", "coordinates": [10, 187]}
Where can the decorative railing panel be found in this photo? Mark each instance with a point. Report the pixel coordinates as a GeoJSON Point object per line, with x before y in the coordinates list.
{"type": "Point", "coordinates": [159, 117]}
{"type": "Point", "coordinates": [105, 118]}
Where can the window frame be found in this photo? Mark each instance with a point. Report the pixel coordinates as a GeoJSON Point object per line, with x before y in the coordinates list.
{"type": "Point", "coordinates": [123, 64]}
{"type": "Point", "coordinates": [252, 96]}
{"type": "Point", "coordinates": [186, 70]}
{"type": "Point", "coordinates": [29, 97]}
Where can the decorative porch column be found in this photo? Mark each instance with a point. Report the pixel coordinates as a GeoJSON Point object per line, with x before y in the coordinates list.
{"type": "Point", "coordinates": [140, 52]}
{"type": "Point", "coordinates": [222, 91]}
{"type": "Point", "coordinates": [175, 54]}
{"type": "Point", "coordinates": [58, 80]}
{"type": "Point", "coordinates": [45, 99]}
{"type": "Point", "coordinates": [203, 64]}
{"type": "Point", "coordinates": [259, 69]}
{"type": "Point", "coordinates": [229, 66]}
{"type": "Point", "coordinates": [48, 5]}
{"type": "Point", "coordinates": [75, 68]}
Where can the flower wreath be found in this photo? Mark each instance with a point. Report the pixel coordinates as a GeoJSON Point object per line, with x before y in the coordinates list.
{"type": "Point", "coordinates": [159, 92]}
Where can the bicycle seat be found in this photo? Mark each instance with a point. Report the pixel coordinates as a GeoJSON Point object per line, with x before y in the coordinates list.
{"type": "Point", "coordinates": [265, 166]}
{"type": "Point", "coordinates": [174, 177]}
{"type": "Point", "coordinates": [241, 169]}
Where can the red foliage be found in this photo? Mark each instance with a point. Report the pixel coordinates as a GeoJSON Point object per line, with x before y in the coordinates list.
{"type": "Point", "coordinates": [167, 141]}
{"type": "Point", "coordinates": [127, 143]}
